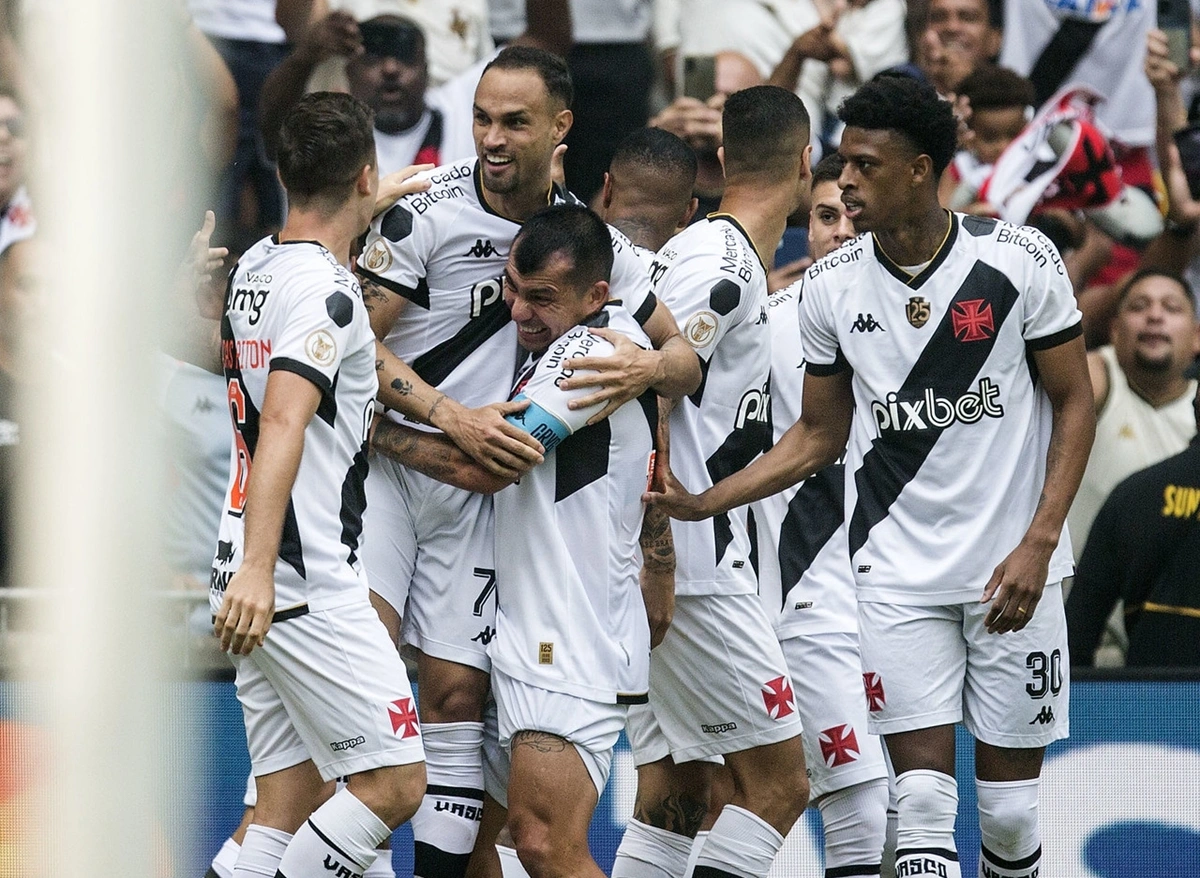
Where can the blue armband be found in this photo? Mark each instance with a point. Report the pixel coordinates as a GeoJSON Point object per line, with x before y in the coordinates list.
{"type": "Point", "coordinates": [539, 424]}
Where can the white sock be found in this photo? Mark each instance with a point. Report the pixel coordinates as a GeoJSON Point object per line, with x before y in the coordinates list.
{"type": "Point", "coordinates": [445, 826]}
{"type": "Point", "coordinates": [855, 820]}
{"type": "Point", "coordinates": [1008, 825]}
{"type": "Point", "coordinates": [382, 867]}
{"type": "Point", "coordinates": [694, 854]}
{"type": "Point", "coordinates": [510, 863]}
{"type": "Point", "coordinates": [928, 803]}
{"type": "Point", "coordinates": [740, 844]}
{"type": "Point", "coordinates": [223, 863]}
{"type": "Point", "coordinates": [649, 852]}
{"type": "Point", "coordinates": [262, 849]}
{"type": "Point", "coordinates": [339, 840]}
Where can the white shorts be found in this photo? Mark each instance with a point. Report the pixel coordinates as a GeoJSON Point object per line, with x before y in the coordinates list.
{"type": "Point", "coordinates": [827, 676]}
{"type": "Point", "coordinates": [591, 726]}
{"type": "Point", "coordinates": [330, 687]}
{"type": "Point", "coordinates": [933, 666]}
{"type": "Point", "coordinates": [427, 549]}
{"type": "Point", "coordinates": [718, 684]}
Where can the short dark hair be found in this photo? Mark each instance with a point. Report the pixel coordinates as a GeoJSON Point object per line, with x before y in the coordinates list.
{"type": "Point", "coordinates": [324, 142]}
{"type": "Point", "coordinates": [1150, 271]}
{"type": "Point", "coordinates": [828, 169]}
{"type": "Point", "coordinates": [572, 230]}
{"type": "Point", "coordinates": [549, 67]}
{"type": "Point", "coordinates": [762, 127]}
{"type": "Point", "coordinates": [913, 109]}
{"type": "Point", "coordinates": [657, 151]}
{"type": "Point", "coordinates": [992, 87]}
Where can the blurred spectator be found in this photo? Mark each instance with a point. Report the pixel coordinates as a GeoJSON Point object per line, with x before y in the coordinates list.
{"type": "Point", "coordinates": [612, 70]}
{"type": "Point", "coordinates": [1144, 550]}
{"type": "Point", "coordinates": [245, 34]}
{"type": "Point", "coordinates": [20, 301]}
{"type": "Point", "coordinates": [998, 104]}
{"type": "Point", "coordinates": [761, 30]}
{"type": "Point", "coordinates": [1143, 400]}
{"type": "Point", "coordinates": [958, 37]}
{"type": "Point", "coordinates": [386, 69]}
{"type": "Point", "coordinates": [698, 123]}
{"type": "Point", "coordinates": [456, 31]}
{"type": "Point", "coordinates": [17, 222]}
{"type": "Point", "coordinates": [837, 54]}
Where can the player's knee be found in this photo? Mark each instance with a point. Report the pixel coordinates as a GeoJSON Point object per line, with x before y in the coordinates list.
{"type": "Point", "coordinates": [855, 823]}
{"type": "Point", "coordinates": [1008, 815]}
{"type": "Point", "coordinates": [393, 792]}
{"type": "Point", "coordinates": [453, 697]}
{"type": "Point", "coordinates": [779, 795]}
{"type": "Point", "coordinates": [926, 800]}
{"type": "Point", "coordinates": [537, 847]}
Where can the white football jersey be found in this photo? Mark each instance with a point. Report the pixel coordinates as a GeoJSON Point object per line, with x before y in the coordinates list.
{"type": "Point", "coordinates": [804, 576]}
{"type": "Point", "coordinates": [948, 444]}
{"type": "Point", "coordinates": [445, 250]}
{"type": "Point", "coordinates": [570, 616]}
{"type": "Point", "coordinates": [711, 278]}
{"type": "Point", "coordinates": [292, 307]}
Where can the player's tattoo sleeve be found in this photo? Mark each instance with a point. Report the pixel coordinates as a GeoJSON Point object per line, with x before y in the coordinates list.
{"type": "Point", "coordinates": [373, 294]}
{"type": "Point", "coordinates": [678, 813]}
{"type": "Point", "coordinates": [658, 547]}
{"type": "Point", "coordinates": [542, 742]}
{"type": "Point", "coordinates": [433, 455]}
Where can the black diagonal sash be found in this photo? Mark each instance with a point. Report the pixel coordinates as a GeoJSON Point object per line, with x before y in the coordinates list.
{"type": "Point", "coordinates": [949, 367]}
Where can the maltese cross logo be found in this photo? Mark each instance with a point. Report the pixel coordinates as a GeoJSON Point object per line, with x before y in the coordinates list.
{"type": "Point", "coordinates": [404, 716]}
{"type": "Point", "coordinates": [874, 686]}
{"type": "Point", "coordinates": [777, 695]}
{"type": "Point", "coordinates": [838, 746]}
{"type": "Point", "coordinates": [972, 320]}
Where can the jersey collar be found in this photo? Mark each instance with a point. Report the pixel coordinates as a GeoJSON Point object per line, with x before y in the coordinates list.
{"type": "Point", "coordinates": [733, 221]}
{"type": "Point", "coordinates": [915, 281]}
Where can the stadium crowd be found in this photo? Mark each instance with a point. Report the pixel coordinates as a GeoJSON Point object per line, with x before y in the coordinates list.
{"type": "Point", "coordinates": [748, 376]}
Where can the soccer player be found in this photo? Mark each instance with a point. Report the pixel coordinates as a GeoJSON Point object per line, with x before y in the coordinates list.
{"type": "Point", "coordinates": [572, 644]}
{"type": "Point", "coordinates": [647, 191]}
{"type": "Point", "coordinates": [948, 349]}
{"type": "Point", "coordinates": [808, 591]}
{"type": "Point", "coordinates": [432, 269]}
{"type": "Point", "coordinates": [718, 681]}
{"type": "Point", "coordinates": [324, 693]}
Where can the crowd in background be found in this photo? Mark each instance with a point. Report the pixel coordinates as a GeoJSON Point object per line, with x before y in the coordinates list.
{"type": "Point", "coordinates": [1095, 99]}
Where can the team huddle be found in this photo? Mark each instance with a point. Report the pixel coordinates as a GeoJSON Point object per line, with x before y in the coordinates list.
{"type": "Point", "coordinates": [596, 478]}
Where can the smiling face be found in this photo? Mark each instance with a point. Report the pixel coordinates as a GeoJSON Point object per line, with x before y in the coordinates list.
{"type": "Point", "coordinates": [1155, 328]}
{"type": "Point", "coordinates": [547, 302]}
{"type": "Point", "coordinates": [880, 178]}
{"type": "Point", "coordinates": [391, 77]}
{"type": "Point", "coordinates": [517, 124]}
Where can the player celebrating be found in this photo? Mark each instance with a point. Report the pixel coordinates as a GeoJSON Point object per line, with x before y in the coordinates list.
{"type": "Point", "coordinates": [298, 355]}
{"type": "Point", "coordinates": [719, 682]}
{"type": "Point", "coordinates": [807, 589]}
{"type": "Point", "coordinates": [432, 267]}
{"type": "Point", "coordinates": [949, 349]}
{"type": "Point", "coordinates": [572, 644]}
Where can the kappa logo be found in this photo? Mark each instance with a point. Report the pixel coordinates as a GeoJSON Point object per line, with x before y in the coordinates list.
{"type": "Point", "coordinates": [483, 249]}
{"type": "Point", "coordinates": [873, 684]}
{"type": "Point", "coordinates": [1045, 716]}
{"type": "Point", "coordinates": [972, 320]}
{"type": "Point", "coordinates": [485, 636]}
{"type": "Point", "coordinates": [403, 715]}
{"type": "Point", "coordinates": [777, 696]}
{"type": "Point", "coordinates": [348, 744]}
{"type": "Point", "coordinates": [866, 323]}
{"type": "Point", "coordinates": [839, 746]}
{"type": "Point", "coordinates": [717, 729]}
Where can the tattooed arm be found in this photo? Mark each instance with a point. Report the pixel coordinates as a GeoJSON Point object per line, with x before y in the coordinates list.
{"type": "Point", "coordinates": [504, 450]}
{"type": "Point", "coordinates": [658, 548]}
{"type": "Point", "coordinates": [434, 455]}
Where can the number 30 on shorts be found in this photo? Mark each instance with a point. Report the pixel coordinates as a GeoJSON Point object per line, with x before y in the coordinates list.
{"type": "Point", "coordinates": [1046, 672]}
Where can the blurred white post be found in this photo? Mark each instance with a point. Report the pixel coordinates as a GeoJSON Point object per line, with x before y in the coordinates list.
{"type": "Point", "coordinates": [110, 105]}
